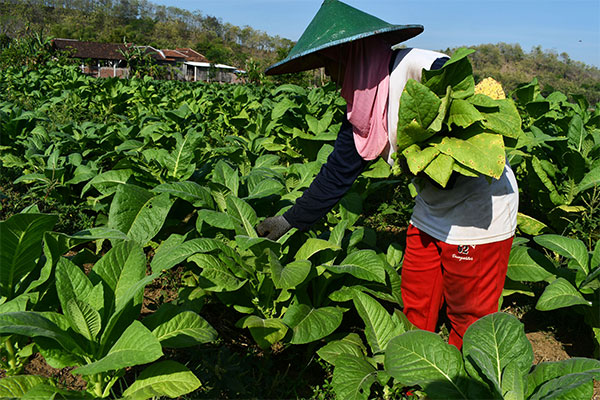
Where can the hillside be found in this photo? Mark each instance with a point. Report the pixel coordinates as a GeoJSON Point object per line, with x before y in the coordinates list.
{"type": "Point", "coordinates": [145, 23]}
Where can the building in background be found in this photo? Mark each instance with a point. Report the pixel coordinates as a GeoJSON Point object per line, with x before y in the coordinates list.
{"type": "Point", "coordinates": [105, 60]}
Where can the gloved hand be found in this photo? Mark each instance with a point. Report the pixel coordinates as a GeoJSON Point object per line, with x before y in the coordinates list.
{"type": "Point", "coordinates": [273, 227]}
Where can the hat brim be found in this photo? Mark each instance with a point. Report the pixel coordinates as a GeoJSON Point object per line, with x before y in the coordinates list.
{"type": "Point", "coordinates": [311, 59]}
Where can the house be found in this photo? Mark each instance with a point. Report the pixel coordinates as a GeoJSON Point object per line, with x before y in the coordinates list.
{"type": "Point", "coordinates": [106, 60]}
{"type": "Point", "coordinates": [197, 68]}
{"type": "Point", "coordinates": [98, 59]}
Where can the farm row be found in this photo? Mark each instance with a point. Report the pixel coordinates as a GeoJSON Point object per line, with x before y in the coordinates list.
{"type": "Point", "coordinates": [145, 177]}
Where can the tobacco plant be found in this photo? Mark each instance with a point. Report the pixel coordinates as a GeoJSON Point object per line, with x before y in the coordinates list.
{"type": "Point", "coordinates": [97, 330]}
{"type": "Point", "coordinates": [557, 158]}
{"type": "Point", "coordinates": [571, 270]}
{"type": "Point", "coordinates": [495, 363]}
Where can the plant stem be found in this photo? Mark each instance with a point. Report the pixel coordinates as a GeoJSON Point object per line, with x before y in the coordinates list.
{"type": "Point", "coordinates": [98, 385]}
{"type": "Point", "coordinates": [12, 359]}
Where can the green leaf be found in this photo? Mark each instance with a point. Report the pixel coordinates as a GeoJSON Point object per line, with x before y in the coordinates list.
{"type": "Point", "coordinates": [71, 282]}
{"type": "Point", "coordinates": [501, 339]}
{"type": "Point", "coordinates": [28, 323]}
{"type": "Point", "coordinates": [556, 198]}
{"type": "Point", "coordinates": [418, 159]}
{"type": "Point", "coordinates": [351, 207]}
{"type": "Point", "coordinates": [595, 261]}
{"type": "Point", "coordinates": [83, 318]}
{"type": "Point", "coordinates": [20, 248]}
{"type": "Point", "coordinates": [290, 276]}
{"type": "Point", "coordinates": [137, 345]}
{"type": "Point", "coordinates": [378, 169]}
{"type": "Point", "coordinates": [244, 214]}
{"type": "Point", "coordinates": [560, 294]}
{"type": "Point", "coordinates": [197, 195]}
{"type": "Point", "coordinates": [353, 377]}
{"type": "Point", "coordinates": [423, 358]}
{"type": "Point", "coordinates": [19, 303]}
{"type": "Point", "coordinates": [108, 182]}
{"type": "Point", "coordinates": [576, 134]}
{"type": "Point", "coordinates": [50, 391]}
{"type": "Point", "coordinates": [184, 330]}
{"type": "Point", "coordinates": [440, 169]}
{"type": "Point", "coordinates": [281, 108]}
{"type": "Point", "coordinates": [165, 378]}
{"type": "Point", "coordinates": [121, 269]}
{"type": "Point", "coordinates": [135, 212]}
{"type": "Point", "coordinates": [438, 122]}
{"type": "Point", "coordinates": [547, 371]}
{"type": "Point", "coordinates": [309, 324]}
{"type": "Point", "coordinates": [512, 287]}
{"type": "Point", "coordinates": [380, 327]}
{"type": "Point", "coordinates": [227, 177]}
{"type": "Point", "coordinates": [591, 179]}
{"type": "Point", "coordinates": [394, 255]}
{"type": "Point", "coordinates": [15, 387]}
{"type": "Point", "coordinates": [530, 225]}
{"type": "Point", "coordinates": [463, 114]}
{"type": "Point", "coordinates": [99, 232]}
{"type": "Point", "coordinates": [456, 73]}
{"type": "Point", "coordinates": [506, 121]}
{"type": "Point", "coordinates": [180, 161]}
{"type": "Point", "coordinates": [571, 386]}
{"type": "Point", "coordinates": [215, 276]}
{"type": "Point", "coordinates": [410, 134]}
{"type": "Point", "coordinates": [349, 344]}
{"type": "Point", "coordinates": [257, 245]}
{"type": "Point", "coordinates": [168, 257]}
{"type": "Point", "coordinates": [266, 332]}
{"type": "Point", "coordinates": [566, 247]}
{"type": "Point", "coordinates": [313, 246]}
{"type": "Point", "coordinates": [482, 152]}
{"type": "Point", "coordinates": [265, 188]}
{"type": "Point", "coordinates": [417, 103]}
{"type": "Point", "coordinates": [483, 101]}
{"type": "Point", "coordinates": [217, 219]}
{"type": "Point", "coordinates": [487, 369]}
{"type": "Point", "coordinates": [363, 264]}
{"type": "Point", "coordinates": [126, 309]}
{"type": "Point", "coordinates": [528, 265]}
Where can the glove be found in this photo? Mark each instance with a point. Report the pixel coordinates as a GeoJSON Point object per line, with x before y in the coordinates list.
{"type": "Point", "coordinates": [273, 227]}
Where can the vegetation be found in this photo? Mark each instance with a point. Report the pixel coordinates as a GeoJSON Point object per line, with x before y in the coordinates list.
{"type": "Point", "coordinates": [511, 65]}
{"type": "Point", "coordinates": [446, 122]}
{"type": "Point", "coordinates": [144, 23]}
{"type": "Point", "coordinates": [172, 177]}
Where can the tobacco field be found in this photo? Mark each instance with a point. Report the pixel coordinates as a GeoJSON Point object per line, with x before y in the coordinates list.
{"type": "Point", "coordinates": [131, 267]}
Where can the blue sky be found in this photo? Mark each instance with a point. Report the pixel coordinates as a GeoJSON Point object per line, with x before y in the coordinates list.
{"type": "Point", "coordinates": [571, 26]}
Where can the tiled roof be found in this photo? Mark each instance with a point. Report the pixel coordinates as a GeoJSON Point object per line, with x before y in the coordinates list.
{"type": "Point", "coordinates": [102, 51]}
{"type": "Point", "coordinates": [174, 54]}
{"type": "Point", "coordinates": [192, 55]}
{"type": "Point", "coordinates": [112, 51]}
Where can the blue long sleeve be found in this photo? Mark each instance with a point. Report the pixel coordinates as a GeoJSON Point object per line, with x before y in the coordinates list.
{"type": "Point", "coordinates": [333, 181]}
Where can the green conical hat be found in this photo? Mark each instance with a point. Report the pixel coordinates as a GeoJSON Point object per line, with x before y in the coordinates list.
{"type": "Point", "coordinates": [337, 23]}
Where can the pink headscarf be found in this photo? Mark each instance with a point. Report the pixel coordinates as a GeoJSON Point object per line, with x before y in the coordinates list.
{"type": "Point", "coordinates": [365, 89]}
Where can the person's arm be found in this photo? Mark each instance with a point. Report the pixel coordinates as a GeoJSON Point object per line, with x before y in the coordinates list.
{"type": "Point", "coordinates": [335, 178]}
{"type": "Point", "coordinates": [333, 181]}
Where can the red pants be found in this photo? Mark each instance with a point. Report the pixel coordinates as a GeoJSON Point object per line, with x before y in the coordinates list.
{"type": "Point", "coordinates": [468, 278]}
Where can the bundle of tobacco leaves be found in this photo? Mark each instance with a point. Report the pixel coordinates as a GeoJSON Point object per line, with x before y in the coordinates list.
{"type": "Point", "coordinates": [447, 124]}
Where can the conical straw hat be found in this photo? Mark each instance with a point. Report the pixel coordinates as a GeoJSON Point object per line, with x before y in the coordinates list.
{"type": "Point", "coordinates": [334, 24]}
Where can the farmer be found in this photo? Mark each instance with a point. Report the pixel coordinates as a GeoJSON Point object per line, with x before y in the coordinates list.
{"type": "Point", "coordinates": [459, 238]}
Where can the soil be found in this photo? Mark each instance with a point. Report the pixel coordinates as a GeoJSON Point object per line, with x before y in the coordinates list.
{"type": "Point", "coordinates": [38, 366]}
{"type": "Point", "coordinates": [235, 367]}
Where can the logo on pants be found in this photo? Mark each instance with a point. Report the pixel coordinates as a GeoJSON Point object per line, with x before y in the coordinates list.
{"type": "Point", "coordinates": [463, 252]}
{"type": "Point", "coordinates": [463, 249]}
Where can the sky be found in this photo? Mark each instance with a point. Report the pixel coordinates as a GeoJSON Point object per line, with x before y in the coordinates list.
{"type": "Point", "coordinates": [570, 26]}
